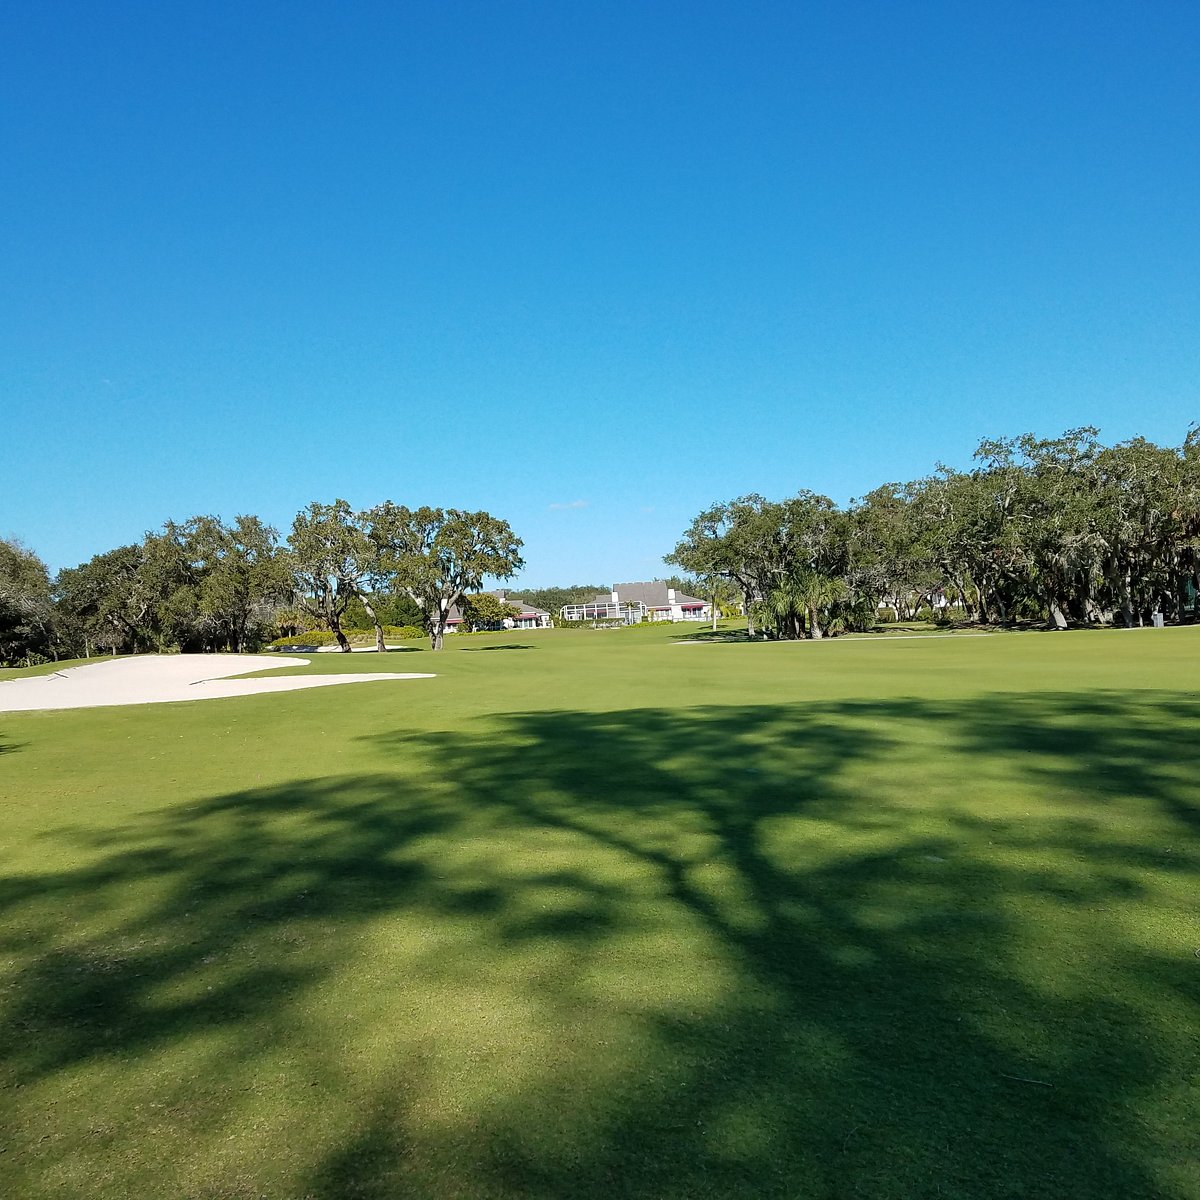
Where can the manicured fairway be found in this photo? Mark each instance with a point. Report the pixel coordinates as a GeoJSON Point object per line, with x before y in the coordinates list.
{"type": "Point", "coordinates": [599, 915]}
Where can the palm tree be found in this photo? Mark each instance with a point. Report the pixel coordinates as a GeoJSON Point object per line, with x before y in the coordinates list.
{"type": "Point", "coordinates": [803, 598]}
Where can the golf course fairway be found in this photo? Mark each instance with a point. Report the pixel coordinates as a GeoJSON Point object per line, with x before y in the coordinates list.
{"type": "Point", "coordinates": [616, 914]}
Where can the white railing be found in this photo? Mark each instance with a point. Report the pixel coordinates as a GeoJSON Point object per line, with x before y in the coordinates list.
{"type": "Point", "coordinates": [623, 614]}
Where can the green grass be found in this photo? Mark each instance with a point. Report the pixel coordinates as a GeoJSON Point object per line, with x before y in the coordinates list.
{"type": "Point", "coordinates": [46, 668]}
{"type": "Point", "coordinates": [602, 916]}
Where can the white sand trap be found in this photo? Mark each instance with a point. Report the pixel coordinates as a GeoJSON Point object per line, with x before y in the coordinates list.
{"type": "Point", "coordinates": [164, 678]}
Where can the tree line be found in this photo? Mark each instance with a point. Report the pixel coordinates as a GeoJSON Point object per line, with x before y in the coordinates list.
{"type": "Point", "coordinates": [1065, 531]}
{"type": "Point", "coordinates": [207, 585]}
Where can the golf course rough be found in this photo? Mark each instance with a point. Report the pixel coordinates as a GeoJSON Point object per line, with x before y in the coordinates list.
{"type": "Point", "coordinates": [595, 915]}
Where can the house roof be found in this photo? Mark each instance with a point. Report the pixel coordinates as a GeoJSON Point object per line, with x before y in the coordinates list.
{"type": "Point", "coordinates": [652, 595]}
{"type": "Point", "coordinates": [527, 610]}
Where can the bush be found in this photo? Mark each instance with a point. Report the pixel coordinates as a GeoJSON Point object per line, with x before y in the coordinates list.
{"type": "Point", "coordinates": [403, 631]}
{"type": "Point", "coordinates": [356, 637]}
{"type": "Point", "coordinates": [316, 637]}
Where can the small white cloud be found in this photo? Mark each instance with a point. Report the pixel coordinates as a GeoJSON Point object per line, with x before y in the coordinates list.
{"type": "Point", "coordinates": [648, 509]}
{"type": "Point", "coordinates": [572, 504]}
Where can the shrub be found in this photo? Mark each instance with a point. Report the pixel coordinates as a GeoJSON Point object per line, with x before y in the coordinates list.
{"type": "Point", "coordinates": [356, 637]}
{"type": "Point", "coordinates": [316, 637]}
{"type": "Point", "coordinates": [403, 631]}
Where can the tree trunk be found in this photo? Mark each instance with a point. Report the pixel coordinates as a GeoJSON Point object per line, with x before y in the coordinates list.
{"type": "Point", "coordinates": [969, 610]}
{"type": "Point", "coordinates": [1058, 618]}
{"type": "Point", "coordinates": [1095, 615]}
{"type": "Point", "coordinates": [437, 622]}
{"type": "Point", "coordinates": [813, 625]}
{"type": "Point", "coordinates": [379, 645]}
{"type": "Point", "coordinates": [1127, 600]}
{"type": "Point", "coordinates": [336, 626]}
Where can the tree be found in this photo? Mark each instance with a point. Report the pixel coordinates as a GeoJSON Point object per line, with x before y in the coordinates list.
{"type": "Point", "coordinates": [330, 557]}
{"type": "Point", "coordinates": [739, 540]}
{"type": "Point", "coordinates": [1147, 515]}
{"type": "Point", "coordinates": [764, 547]}
{"type": "Point", "coordinates": [800, 602]}
{"type": "Point", "coordinates": [105, 603]}
{"type": "Point", "coordinates": [721, 593]}
{"type": "Point", "coordinates": [26, 609]}
{"type": "Point", "coordinates": [554, 599]}
{"type": "Point", "coordinates": [216, 586]}
{"type": "Point", "coordinates": [389, 608]}
{"type": "Point", "coordinates": [171, 574]}
{"type": "Point", "coordinates": [243, 577]}
{"type": "Point", "coordinates": [485, 611]}
{"type": "Point", "coordinates": [888, 553]}
{"type": "Point", "coordinates": [438, 555]}
{"type": "Point", "coordinates": [1051, 532]}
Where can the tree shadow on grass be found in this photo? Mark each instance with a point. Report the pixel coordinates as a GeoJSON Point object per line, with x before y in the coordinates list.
{"type": "Point", "coordinates": [713, 635]}
{"type": "Point", "coordinates": [506, 646]}
{"type": "Point", "coordinates": [894, 1026]}
{"type": "Point", "coordinates": [656, 953]}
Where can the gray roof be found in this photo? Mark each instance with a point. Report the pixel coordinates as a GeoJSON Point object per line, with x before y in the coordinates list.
{"type": "Point", "coordinates": [524, 605]}
{"type": "Point", "coordinates": [455, 613]}
{"type": "Point", "coordinates": [652, 595]}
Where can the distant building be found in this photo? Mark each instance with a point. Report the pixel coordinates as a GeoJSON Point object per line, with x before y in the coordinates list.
{"type": "Point", "coordinates": [528, 618]}
{"type": "Point", "coordinates": [629, 603]}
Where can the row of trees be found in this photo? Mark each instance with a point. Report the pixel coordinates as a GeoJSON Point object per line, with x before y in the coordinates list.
{"type": "Point", "coordinates": [203, 584]}
{"type": "Point", "coordinates": [1065, 530]}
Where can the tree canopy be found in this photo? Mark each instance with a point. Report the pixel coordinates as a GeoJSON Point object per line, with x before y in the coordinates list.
{"type": "Point", "coordinates": [485, 611]}
{"type": "Point", "coordinates": [1065, 530]}
{"type": "Point", "coordinates": [332, 558]}
{"type": "Point", "coordinates": [437, 555]}
{"type": "Point", "coordinates": [26, 605]}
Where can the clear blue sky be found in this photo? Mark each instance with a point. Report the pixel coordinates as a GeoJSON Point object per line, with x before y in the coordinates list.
{"type": "Point", "coordinates": [588, 266]}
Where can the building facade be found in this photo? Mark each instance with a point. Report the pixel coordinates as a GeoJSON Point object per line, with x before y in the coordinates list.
{"type": "Point", "coordinates": [631, 603]}
{"type": "Point", "coordinates": [529, 617]}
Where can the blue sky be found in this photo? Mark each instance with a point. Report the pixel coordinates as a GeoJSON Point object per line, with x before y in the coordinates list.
{"type": "Point", "coordinates": [588, 266]}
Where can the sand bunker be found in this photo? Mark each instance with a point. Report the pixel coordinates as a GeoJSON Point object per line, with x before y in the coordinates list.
{"type": "Point", "coordinates": [162, 679]}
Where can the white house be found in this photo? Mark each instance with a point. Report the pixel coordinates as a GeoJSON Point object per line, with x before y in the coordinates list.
{"type": "Point", "coordinates": [630, 603]}
{"type": "Point", "coordinates": [528, 618]}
